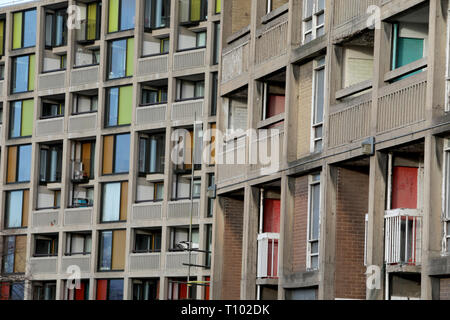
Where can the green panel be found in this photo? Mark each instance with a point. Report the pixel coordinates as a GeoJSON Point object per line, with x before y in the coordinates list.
{"type": "Point", "coordinates": [91, 18]}
{"type": "Point", "coordinates": [195, 10]}
{"type": "Point", "coordinates": [2, 33]}
{"type": "Point", "coordinates": [218, 5]}
{"type": "Point", "coordinates": [130, 57]}
{"type": "Point", "coordinates": [125, 104]}
{"type": "Point", "coordinates": [31, 68]}
{"type": "Point", "coordinates": [27, 118]}
{"type": "Point", "coordinates": [17, 35]}
{"type": "Point", "coordinates": [113, 16]}
{"type": "Point", "coordinates": [408, 51]}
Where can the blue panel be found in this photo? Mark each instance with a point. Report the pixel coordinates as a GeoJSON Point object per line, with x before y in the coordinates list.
{"type": "Point", "coordinates": [29, 30]}
{"type": "Point", "coordinates": [17, 291]}
{"type": "Point", "coordinates": [8, 262]}
{"type": "Point", "coordinates": [24, 163]}
{"type": "Point", "coordinates": [127, 14]}
{"type": "Point", "coordinates": [408, 51]}
{"type": "Point", "coordinates": [122, 153]}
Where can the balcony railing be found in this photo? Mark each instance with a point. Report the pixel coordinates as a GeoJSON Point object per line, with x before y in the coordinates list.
{"type": "Point", "coordinates": [84, 76]}
{"type": "Point", "coordinates": [43, 265]}
{"type": "Point", "coordinates": [78, 216]}
{"type": "Point", "coordinates": [79, 174]}
{"type": "Point", "coordinates": [347, 10]}
{"type": "Point", "coordinates": [186, 110]}
{"type": "Point", "coordinates": [52, 80]}
{"type": "Point", "coordinates": [145, 262]}
{"type": "Point", "coordinates": [403, 236]}
{"type": "Point", "coordinates": [52, 126]}
{"type": "Point", "coordinates": [182, 209]}
{"type": "Point", "coordinates": [189, 59]}
{"type": "Point", "coordinates": [268, 255]}
{"type": "Point", "coordinates": [151, 114]}
{"type": "Point", "coordinates": [82, 122]}
{"type": "Point", "coordinates": [147, 211]}
{"type": "Point", "coordinates": [45, 218]}
{"type": "Point", "coordinates": [83, 262]}
{"type": "Point", "coordinates": [176, 260]}
{"type": "Point", "coordinates": [272, 43]}
{"type": "Point", "coordinates": [152, 65]}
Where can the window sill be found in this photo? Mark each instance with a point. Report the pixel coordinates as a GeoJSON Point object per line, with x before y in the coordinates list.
{"type": "Point", "coordinates": [406, 70]}
{"type": "Point", "coordinates": [354, 89]}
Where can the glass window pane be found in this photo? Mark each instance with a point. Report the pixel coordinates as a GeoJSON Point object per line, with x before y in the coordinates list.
{"type": "Point", "coordinates": [115, 289]}
{"type": "Point", "coordinates": [118, 59]}
{"type": "Point", "coordinates": [17, 291]}
{"type": "Point", "coordinates": [24, 167]}
{"type": "Point", "coordinates": [16, 116]}
{"type": "Point", "coordinates": [105, 250]}
{"type": "Point", "coordinates": [319, 95]}
{"type": "Point", "coordinates": [14, 209]}
{"type": "Point", "coordinates": [315, 199]}
{"type": "Point", "coordinates": [20, 74]}
{"type": "Point", "coordinates": [113, 107]}
{"type": "Point", "coordinates": [8, 262]}
{"type": "Point", "coordinates": [127, 14]}
{"type": "Point", "coordinates": [30, 26]}
{"type": "Point", "coordinates": [122, 154]}
{"type": "Point", "coordinates": [111, 202]}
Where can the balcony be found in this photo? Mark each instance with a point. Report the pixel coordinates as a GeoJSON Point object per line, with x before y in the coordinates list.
{"type": "Point", "coordinates": [52, 80]}
{"type": "Point", "coordinates": [145, 262]}
{"type": "Point", "coordinates": [79, 175]}
{"type": "Point", "coordinates": [83, 262]}
{"type": "Point", "coordinates": [78, 217]}
{"type": "Point", "coordinates": [189, 59]}
{"type": "Point", "coordinates": [43, 265]}
{"type": "Point", "coordinates": [82, 122]}
{"type": "Point", "coordinates": [175, 260]}
{"type": "Point", "coordinates": [48, 127]}
{"type": "Point", "coordinates": [182, 209]}
{"type": "Point", "coordinates": [147, 211]}
{"type": "Point", "coordinates": [45, 218]}
{"type": "Point", "coordinates": [155, 114]}
{"type": "Point", "coordinates": [186, 110]}
{"type": "Point", "coordinates": [403, 237]}
{"type": "Point", "coordinates": [347, 10]}
{"type": "Point", "coordinates": [272, 43]}
{"type": "Point", "coordinates": [84, 76]}
{"type": "Point", "coordinates": [235, 61]}
{"type": "Point", "coordinates": [268, 255]}
{"type": "Point", "coordinates": [153, 65]}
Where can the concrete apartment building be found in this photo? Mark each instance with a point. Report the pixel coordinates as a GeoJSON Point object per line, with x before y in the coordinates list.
{"type": "Point", "coordinates": [357, 93]}
{"type": "Point", "coordinates": [93, 94]}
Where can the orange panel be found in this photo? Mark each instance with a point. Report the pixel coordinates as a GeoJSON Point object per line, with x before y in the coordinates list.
{"type": "Point", "coordinates": [123, 201]}
{"type": "Point", "coordinates": [102, 289]}
{"type": "Point", "coordinates": [108, 152]}
{"type": "Point", "coordinates": [12, 165]}
{"type": "Point", "coordinates": [25, 207]}
{"type": "Point", "coordinates": [86, 157]}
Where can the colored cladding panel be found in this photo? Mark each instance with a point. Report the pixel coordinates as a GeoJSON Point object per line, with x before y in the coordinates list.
{"type": "Point", "coordinates": [80, 293]}
{"type": "Point", "coordinates": [91, 24]}
{"type": "Point", "coordinates": [125, 104]}
{"type": "Point", "coordinates": [218, 6]}
{"type": "Point", "coordinates": [102, 289]}
{"type": "Point", "coordinates": [2, 37]}
{"type": "Point", "coordinates": [404, 188]}
{"type": "Point", "coordinates": [108, 148]}
{"type": "Point", "coordinates": [20, 254]}
{"type": "Point", "coordinates": [271, 223]}
{"type": "Point", "coordinates": [4, 291]}
{"type": "Point", "coordinates": [12, 165]}
{"type": "Point", "coordinates": [272, 267]}
{"type": "Point", "coordinates": [25, 207]}
{"type": "Point", "coordinates": [123, 201]}
{"type": "Point", "coordinates": [27, 118]}
{"type": "Point", "coordinates": [275, 105]}
{"type": "Point", "coordinates": [195, 10]}
{"type": "Point", "coordinates": [31, 68]}
{"type": "Point", "coordinates": [130, 57]}
{"type": "Point", "coordinates": [113, 21]}
{"type": "Point", "coordinates": [17, 32]}
{"type": "Point", "coordinates": [118, 254]}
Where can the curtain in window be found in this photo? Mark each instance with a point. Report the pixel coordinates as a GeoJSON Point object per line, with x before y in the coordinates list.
{"type": "Point", "coordinates": [14, 209]}
{"type": "Point", "coordinates": [111, 202]}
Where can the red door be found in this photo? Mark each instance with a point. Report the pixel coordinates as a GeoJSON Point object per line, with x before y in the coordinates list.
{"type": "Point", "coordinates": [404, 188]}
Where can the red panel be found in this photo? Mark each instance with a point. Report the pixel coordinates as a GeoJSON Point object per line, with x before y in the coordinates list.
{"type": "Point", "coordinates": [182, 291]}
{"type": "Point", "coordinates": [275, 105]}
{"type": "Point", "coordinates": [275, 260]}
{"type": "Point", "coordinates": [102, 289]}
{"type": "Point", "coordinates": [271, 222]}
{"type": "Point", "coordinates": [79, 293]}
{"type": "Point", "coordinates": [207, 288]}
{"type": "Point", "coordinates": [4, 291]}
{"type": "Point", "coordinates": [404, 188]}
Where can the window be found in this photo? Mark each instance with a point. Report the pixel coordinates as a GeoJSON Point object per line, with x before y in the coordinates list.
{"type": "Point", "coordinates": [164, 44]}
{"type": "Point", "coordinates": [116, 154]}
{"type": "Point", "coordinates": [19, 164]}
{"type": "Point", "coordinates": [112, 250]}
{"type": "Point", "coordinates": [21, 118]}
{"type": "Point", "coordinates": [24, 29]}
{"type": "Point", "coordinates": [157, 14]}
{"type": "Point", "coordinates": [187, 89]}
{"type": "Point", "coordinates": [200, 39]}
{"type": "Point", "coordinates": [446, 216]}
{"type": "Point", "coordinates": [211, 184]}
{"type": "Point", "coordinates": [2, 37]}
{"type": "Point", "coordinates": [55, 28]}
{"type": "Point", "coordinates": [44, 290]}
{"type": "Point", "coordinates": [313, 19]}
{"type": "Point", "coordinates": [85, 103]}
{"type": "Point", "coordinates": [23, 74]}
{"type": "Point", "coordinates": [114, 201]}
{"type": "Point", "coordinates": [12, 290]}
{"type": "Point", "coordinates": [145, 289]}
{"type": "Point", "coordinates": [16, 209]}
{"type": "Point", "coordinates": [208, 245]}
{"type": "Point", "coordinates": [90, 26]}
{"type": "Point", "coordinates": [14, 254]}
{"type": "Point", "coordinates": [121, 58]}
{"type": "Point", "coordinates": [50, 163]}
{"type": "Point", "coordinates": [52, 109]}
{"type": "Point", "coordinates": [121, 15]}
{"type": "Point", "coordinates": [274, 99]}
{"type": "Point", "coordinates": [214, 93]}
{"type": "Point", "coordinates": [193, 11]}
{"type": "Point", "coordinates": [1, 112]}
{"type": "Point", "coordinates": [78, 243]}
{"type": "Point", "coordinates": [178, 289]}
{"type": "Point", "coordinates": [313, 222]}
{"type": "Point", "coordinates": [318, 104]}
{"type": "Point", "coordinates": [216, 52]}
{"type": "Point", "coordinates": [110, 289]}
{"type": "Point", "coordinates": [83, 165]}
{"type": "Point", "coordinates": [147, 240]}
{"type": "Point", "coordinates": [179, 238]}
{"type": "Point", "coordinates": [119, 105]}
{"type": "Point", "coordinates": [2, 71]}
{"type": "Point", "coordinates": [151, 153]}
{"type": "Point", "coordinates": [184, 149]}
{"type": "Point", "coordinates": [46, 245]}
{"type": "Point", "coordinates": [153, 95]}
{"type": "Point", "coordinates": [81, 293]}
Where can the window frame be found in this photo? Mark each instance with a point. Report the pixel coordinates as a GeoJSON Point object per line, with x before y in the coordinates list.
{"type": "Point", "coordinates": [110, 62]}
{"type": "Point", "coordinates": [54, 244]}
{"type": "Point", "coordinates": [59, 147]}
{"type": "Point", "coordinates": [108, 106]}
{"type": "Point", "coordinates": [152, 240]}
{"type": "Point", "coordinates": [314, 17]}
{"type": "Point", "coordinates": [114, 154]}
{"type": "Point", "coordinates": [445, 218]}
{"type": "Point", "coordinates": [54, 14]}
{"type": "Point", "coordinates": [69, 239]}
{"type": "Point", "coordinates": [18, 163]}
{"type": "Point", "coordinates": [165, 5]}
{"type": "Point", "coordinates": [102, 221]}
{"type": "Point", "coordinates": [317, 67]}
{"type": "Point", "coordinates": [76, 103]}
{"type": "Point", "coordinates": [119, 17]}
{"type": "Point", "coordinates": [14, 73]}
{"type": "Point", "coordinates": [312, 181]}
{"type": "Point", "coordinates": [23, 29]}
{"type": "Point", "coordinates": [160, 137]}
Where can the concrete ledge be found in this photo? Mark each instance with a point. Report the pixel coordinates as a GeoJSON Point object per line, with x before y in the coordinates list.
{"type": "Point", "coordinates": [439, 266]}
{"type": "Point", "coordinates": [300, 280]}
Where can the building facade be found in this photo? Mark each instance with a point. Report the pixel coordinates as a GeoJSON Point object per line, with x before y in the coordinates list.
{"type": "Point", "coordinates": [95, 95]}
{"type": "Point", "coordinates": [354, 202]}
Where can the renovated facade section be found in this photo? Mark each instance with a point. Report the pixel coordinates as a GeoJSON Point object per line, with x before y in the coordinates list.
{"type": "Point", "coordinates": [355, 204]}
{"type": "Point", "coordinates": [94, 96]}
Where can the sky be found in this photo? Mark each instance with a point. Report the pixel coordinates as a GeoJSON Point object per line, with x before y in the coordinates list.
{"type": "Point", "coordinates": [11, 2]}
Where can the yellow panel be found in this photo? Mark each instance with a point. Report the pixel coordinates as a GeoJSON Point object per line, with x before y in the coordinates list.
{"type": "Point", "coordinates": [12, 165]}
{"type": "Point", "coordinates": [20, 254]}
{"type": "Point", "coordinates": [17, 34]}
{"type": "Point", "coordinates": [113, 21]}
{"type": "Point", "coordinates": [118, 252]}
{"type": "Point", "coordinates": [86, 157]}
{"type": "Point", "coordinates": [108, 149]}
